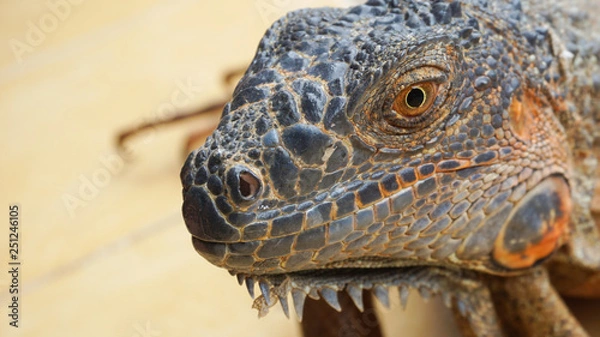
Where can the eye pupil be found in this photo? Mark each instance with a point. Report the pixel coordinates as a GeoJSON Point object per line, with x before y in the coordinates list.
{"type": "Point", "coordinates": [415, 98]}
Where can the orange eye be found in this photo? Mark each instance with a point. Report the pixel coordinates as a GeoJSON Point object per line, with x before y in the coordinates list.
{"type": "Point", "coordinates": [415, 99]}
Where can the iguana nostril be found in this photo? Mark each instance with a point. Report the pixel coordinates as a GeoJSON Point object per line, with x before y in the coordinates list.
{"type": "Point", "coordinates": [248, 185]}
{"type": "Point", "coordinates": [244, 185]}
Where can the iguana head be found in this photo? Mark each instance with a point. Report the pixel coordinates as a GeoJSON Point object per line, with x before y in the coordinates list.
{"type": "Point", "coordinates": [383, 136]}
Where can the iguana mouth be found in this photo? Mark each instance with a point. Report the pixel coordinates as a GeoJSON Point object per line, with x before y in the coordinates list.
{"type": "Point", "coordinates": [327, 283]}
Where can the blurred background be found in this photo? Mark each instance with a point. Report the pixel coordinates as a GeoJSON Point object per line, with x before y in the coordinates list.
{"type": "Point", "coordinates": [104, 249]}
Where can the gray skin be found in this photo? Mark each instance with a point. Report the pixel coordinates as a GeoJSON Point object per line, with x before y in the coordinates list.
{"type": "Point", "coordinates": [314, 182]}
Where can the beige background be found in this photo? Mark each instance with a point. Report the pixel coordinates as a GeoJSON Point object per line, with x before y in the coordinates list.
{"type": "Point", "coordinates": [104, 250]}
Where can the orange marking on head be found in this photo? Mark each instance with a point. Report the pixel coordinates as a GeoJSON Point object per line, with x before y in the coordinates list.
{"type": "Point", "coordinates": [550, 232]}
{"type": "Point", "coordinates": [523, 115]}
{"type": "Point", "coordinates": [534, 251]}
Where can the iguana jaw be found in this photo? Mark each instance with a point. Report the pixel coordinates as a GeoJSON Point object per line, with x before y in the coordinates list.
{"type": "Point", "coordinates": [326, 283]}
{"type": "Point", "coordinates": [549, 201]}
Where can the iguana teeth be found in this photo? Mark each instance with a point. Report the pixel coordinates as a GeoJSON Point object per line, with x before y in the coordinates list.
{"type": "Point", "coordinates": [284, 305]}
{"type": "Point", "coordinates": [356, 296]}
{"type": "Point", "coordinates": [250, 286]}
{"type": "Point", "coordinates": [240, 278]}
{"type": "Point", "coordinates": [331, 297]}
{"type": "Point", "coordinates": [469, 306]}
{"type": "Point", "coordinates": [404, 292]}
{"type": "Point", "coordinates": [277, 287]}
{"type": "Point", "coordinates": [261, 305]}
{"type": "Point", "coordinates": [298, 297]}
{"type": "Point", "coordinates": [462, 307]}
{"type": "Point", "coordinates": [264, 289]}
{"type": "Point", "coordinates": [447, 299]}
{"type": "Point", "coordinates": [425, 293]}
{"type": "Point", "coordinates": [312, 293]}
{"type": "Point", "coordinates": [382, 295]}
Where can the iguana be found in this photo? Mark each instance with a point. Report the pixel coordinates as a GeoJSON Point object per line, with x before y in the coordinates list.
{"type": "Point", "coordinates": [447, 146]}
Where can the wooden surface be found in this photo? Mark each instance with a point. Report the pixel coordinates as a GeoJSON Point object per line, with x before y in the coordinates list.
{"type": "Point", "coordinates": [104, 250]}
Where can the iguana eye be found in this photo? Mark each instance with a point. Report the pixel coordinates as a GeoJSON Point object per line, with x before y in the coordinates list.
{"type": "Point", "coordinates": [407, 102]}
{"type": "Point", "coordinates": [417, 103]}
{"type": "Point", "coordinates": [415, 100]}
